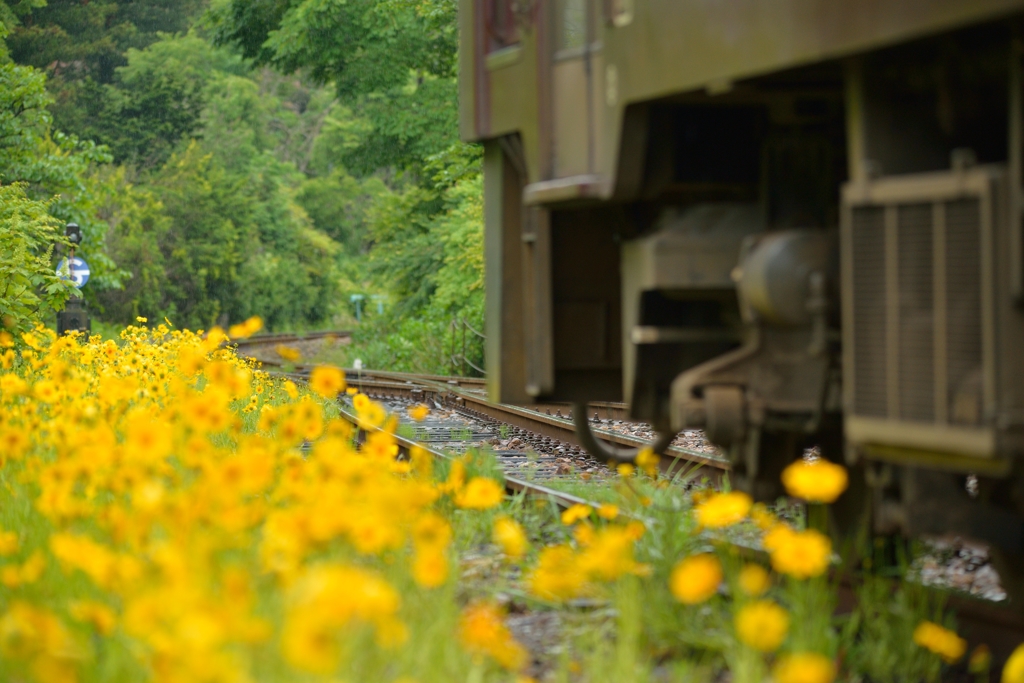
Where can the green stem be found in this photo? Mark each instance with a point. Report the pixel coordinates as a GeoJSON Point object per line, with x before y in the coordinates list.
{"type": "Point", "coordinates": [817, 517]}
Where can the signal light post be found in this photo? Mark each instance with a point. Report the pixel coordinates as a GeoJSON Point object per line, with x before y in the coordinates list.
{"type": "Point", "coordinates": [74, 317]}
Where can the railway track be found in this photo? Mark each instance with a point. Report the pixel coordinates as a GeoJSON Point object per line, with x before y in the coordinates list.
{"type": "Point", "coordinates": [289, 337]}
{"type": "Point", "coordinates": [463, 419]}
{"type": "Point", "coordinates": [513, 431]}
{"type": "Point", "coordinates": [547, 429]}
{"type": "Point", "coordinates": [537, 448]}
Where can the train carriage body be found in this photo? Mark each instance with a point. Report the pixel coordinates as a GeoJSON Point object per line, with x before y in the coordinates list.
{"type": "Point", "coordinates": [787, 223]}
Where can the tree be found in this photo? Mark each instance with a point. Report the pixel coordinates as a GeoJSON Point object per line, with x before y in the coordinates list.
{"type": "Point", "coordinates": [392, 61]}
{"type": "Point", "coordinates": [29, 286]}
{"type": "Point", "coordinates": [50, 166]}
{"type": "Point", "coordinates": [157, 98]}
{"type": "Point", "coordinates": [139, 227]}
{"type": "Point", "coordinates": [84, 45]}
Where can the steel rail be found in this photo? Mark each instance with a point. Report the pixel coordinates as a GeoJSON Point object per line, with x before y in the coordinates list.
{"type": "Point", "coordinates": [512, 484]}
{"type": "Point", "coordinates": [993, 624]}
{"type": "Point", "coordinates": [530, 419]}
{"type": "Point", "coordinates": [287, 337]}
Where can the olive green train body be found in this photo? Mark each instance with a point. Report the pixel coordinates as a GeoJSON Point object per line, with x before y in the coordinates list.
{"type": "Point", "coordinates": [789, 223]}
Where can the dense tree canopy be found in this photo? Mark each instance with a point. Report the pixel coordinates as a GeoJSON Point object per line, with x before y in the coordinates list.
{"type": "Point", "coordinates": [264, 157]}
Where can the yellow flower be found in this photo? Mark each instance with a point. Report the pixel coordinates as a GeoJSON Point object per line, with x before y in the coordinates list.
{"type": "Point", "coordinates": [432, 531]}
{"type": "Point", "coordinates": [762, 625]}
{"type": "Point", "coordinates": [980, 660]}
{"type": "Point", "coordinates": [817, 481]}
{"type": "Point", "coordinates": [326, 597]}
{"type": "Point", "coordinates": [12, 385]}
{"type": "Point", "coordinates": [480, 493]}
{"type": "Point", "coordinates": [636, 530]}
{"type": "Point", "coordinates": [371, 413]}
{"type": "Point", "coordinates": [608, 511]}
{"type": "Point", "coordinates": [327, 381]}
{"type": "Point", "coordinates": [27, 631]}
{"type": "Point", "coordinates": [6, 339]}
{"type": "Point", "coordinates": [776, 536]}
{"type": "Point", "coordinates": [13, 443]}
{"type": "Point", "coordinates": [804, 667]}
{"type": "Point", "coordinates": [583, 534]}
{"type": "Point", "coordinates": [754, 580]}
{"type": "Point", "coordinates": [46, 391]}
{"type": "Point", "coordinates": [723, 509]}
{"type": "Point", "coordinates": [191, 361]}
{"type": "Point", "coordinates": [99, 615]}
{"type": "Point", "coordinates": [32, 569]}
{"type": "Point", "coordinates": [696, 578]}
{"type": "Point", "coordinates": [941, 641]}
{"type": "Point", "coordinates": [429, 567]}
{"type": "Point", "coordinates": [761, 516]}
{"type": "Point", "coordinates": [247, 328]}
{"type": "Point", "coordinates": [482, 631]}
{"type": "Point", "coordinates": [140, 319]}
{"type": "Point", "coordinates": [289, 353]}
{"type": "Point", "coordinates": [509, 534]}
{"type": "Point", "coordinates": [8, 543]}
{"type": "Point", "coordinates": [1013, 671]}
{"type": "Point", "coordinates": [647, 460]}
{"type": "Point", "coordinates": [800, 554]}
{"type": "Point", "coordinates": [625, 470]}
{"type": "Point", "coordinates": [419, 412]}
{"type": "Point", "coordinates": [575, 513]}
{"type": "Point", "coordinates": [609, 555]}
{"type": "Point", "coordinates": [557, 575]}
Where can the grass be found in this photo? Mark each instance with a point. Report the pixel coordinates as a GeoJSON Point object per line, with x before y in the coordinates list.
{"type": "Point", "coordinates": [234, 579]}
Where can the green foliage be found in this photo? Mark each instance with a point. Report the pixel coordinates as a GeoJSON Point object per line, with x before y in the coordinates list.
{"type": "Point", "coordinates": [337, 204]}
{"type": "Point", "coordinates": [362, 46]}
{"type": "Point", "coordinates": [138, 228]}
{"type": "Point", "coordinates": [52, 166]}
{"type": "Point", "coordinates": [28, 284]}
{"type": "Point", "coordinates": [881, 629]}
{"type": "Point", "coordinates": [84, 47]}
{"type": "Point", "coordinates": [205, 249]}
{"type": "Point", "coordinates": [393, 61]}
{"type": "Point", "coordinates": [420, 234]}
{"type": "Point", "coordinates": [427, 256]}
{"type": "Point", "coordinates": [241, 190]}
{"type": "Point", "coordinates": [409, 195]}
{"type": "Point", "coordinates": [157, 98]}
{"type": "Point", "coordinates": [92, 37]}
{"type": "Point", "coordinates": [408, 125]}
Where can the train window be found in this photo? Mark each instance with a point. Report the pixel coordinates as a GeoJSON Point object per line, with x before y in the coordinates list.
{"type": "Point", "coordinates": [572, 24]}
{"type": "Point", "coordinates": [502, 27]}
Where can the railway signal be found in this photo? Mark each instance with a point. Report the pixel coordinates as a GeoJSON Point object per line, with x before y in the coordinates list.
{"type": "Point", "coordinates": [75, 316]}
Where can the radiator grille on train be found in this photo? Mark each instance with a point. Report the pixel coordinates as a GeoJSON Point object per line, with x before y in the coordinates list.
{"type": "Point", "coordinates": [915, 323]}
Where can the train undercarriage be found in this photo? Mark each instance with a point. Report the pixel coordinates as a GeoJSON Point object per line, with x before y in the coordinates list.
{"type": "Point", "coordinates": [828, 256]}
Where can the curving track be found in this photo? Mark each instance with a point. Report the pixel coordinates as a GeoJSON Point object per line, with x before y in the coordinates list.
{"type": "Point", "coordinates": [547, 450]}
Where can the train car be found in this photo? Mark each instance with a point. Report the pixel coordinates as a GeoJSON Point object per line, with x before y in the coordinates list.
{"type": "Point", "coordinates": [787, 223]}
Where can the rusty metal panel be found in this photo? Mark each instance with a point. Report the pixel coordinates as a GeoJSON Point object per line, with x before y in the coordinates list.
{"type": "Point", "coordinates": [868, 329]}
{"type": "Point", "coordinates": [505, 345]}
{"type": "Point", "coordinates": [921, 318]}
{"type": "Point", "coordinates": [963, 305]}
{"type": "Point", "coordinates": [537, 302]}
{"type": "Point", "coordinates": [916, 312]}
{"type": "Point", "coordinates": [470, 60]}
